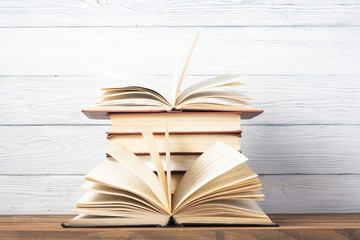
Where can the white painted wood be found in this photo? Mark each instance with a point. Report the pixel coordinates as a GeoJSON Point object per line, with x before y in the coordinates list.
{"type": "Point", "coordinates": [285, 99]}
{"type": "Point", "coordinates": [317, 149]}
{"type": "Point", "coordinates": [151, 51]}
{"type": "Point", "coordinates": [311, 194]}
{"type": "Point", "coordinates": [301, 57]}
{"type": "Point", "coordinates": [284, 194]}
{"type": "Point", "coordinates": [179, 13]}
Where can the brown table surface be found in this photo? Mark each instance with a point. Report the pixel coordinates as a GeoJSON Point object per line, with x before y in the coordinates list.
{"type": "Point", "coordinates": [292, 226]}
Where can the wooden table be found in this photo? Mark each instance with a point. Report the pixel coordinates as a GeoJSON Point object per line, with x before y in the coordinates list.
{"type": "Point", "coordinates": [292, 226]}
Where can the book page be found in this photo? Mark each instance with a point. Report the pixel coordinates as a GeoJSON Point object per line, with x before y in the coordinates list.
{"type": "Point", "coordinates": [175, 79]}
{"type": "Point", "coordinates": [168, 164]}
{"type": "Point", "coordinates": [95, 199]}
{"type": "Point", "coordinates": [154, 152]}
{"type": "Point", "coordinates": [137, 167]}
{"type": "Point", "coordinates": [118, 97]}
{"type": "Point", "coordinates": [236, 175]}
{"type": "Point", "coordinates": [185, 67]}
{"type": "Point", "coordinates": [216, 106]}
{"type": "Point", "coordinates": [219, 81]}
{"type": "Point", "coordinates": [218, 159]}
{"type": "Point", "coordinates": [114, 174]}
{"type": "Point", "coordinates": [214, 94]}
{"type": "Point", "coordinates": [230, 211]}
{"type": "Point", "coordinates": [99, 188]}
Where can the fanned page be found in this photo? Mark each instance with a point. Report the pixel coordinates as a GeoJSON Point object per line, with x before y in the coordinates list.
{"type": "Point", "coordinates": [219, 188]}
{"type": "Point", "coordinates": [218, 159]}
{"type": "Point", "coordinates": [117, 196]}
{"type": "Point", "coordinates": [140, 169]}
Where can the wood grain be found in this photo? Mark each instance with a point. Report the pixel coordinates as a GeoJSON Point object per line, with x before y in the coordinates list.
{"type": "Point", "coordinates": [292, 226]}
{"type": "Point", "coordinates": [179, 13]}
{"type": "Point", "coordinates": [283, 194]}
{"type": "Point", "coordinates": [271, 149]}
{"type": "Point", "coordinates": [285, 99]}
{"type": "Point", "coordinates": [152, 51]}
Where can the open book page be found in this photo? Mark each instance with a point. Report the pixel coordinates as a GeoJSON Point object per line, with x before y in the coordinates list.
{"type": "Point", "coordinates": [176, 76]}
{"type": "Point", "coordinates": [216, 106]}
{"type": "Point", "coordinates": [99, 188]}
{"type": "Point", "coordinates": [213, 94]}
{"type": "Point", "coordinates": [96, 200]}
{"type": "Point", "coordinates": [231, 211]}
{"type": "Point", "coordinates": [218, 159]}
{"type": "Point", "coordinates": [185, 68]}
{"type": "Point", "coordinates": [150, 142]}
{"type": "Point", "coordinates": [136, 82]}
{"type": "Point", "coordinates": [168, 164]}
{"type": "Point", "coordinates": [219, 81]}
{"type": "Point", "coordinates": [137, 167]}
{"type": "Point", "coordinates": [119, 176]}
{"type": "Point", "coordinates": [235, 177]}
{"type": "Point", "coordinates": [122, 97]}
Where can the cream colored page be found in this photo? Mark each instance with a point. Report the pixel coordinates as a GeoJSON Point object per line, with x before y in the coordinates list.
{"type": "Point", "coordinates": [168, 164]}
{"type": "Point", "coordinates": [217, 106]}
{"type": "Point", "coordinates": [218, 159]}
{"type": "Point", "coordinates": [252, 194]}
{"type": "Point", "coordinates": [90, 199]}
{"type": "Point", "coordinates": [232, 204]}
{"type": "Point", "coordinates": [209, 83]}
{"type": "Point", "coordinates": [185, 67]}
{"type": "Point", "coordinates": [150, 142]}
{"type": "Point", "coordinates": [133, 108]}
{"type": "Point", "coordinates": [235, 175]}
{"type": "Point", "coordinates": [225, 211]}
{"type": "Point", "coordinates": [214, 94]}
{"type": "Point", "coordinates": [129, 95]}
{"type": "Point", "coordinates": [175, 79]}
{"type": "Point", "coordinates": [130, 89]}
{"type": "Point", "coordinates": [137, 167]}
{"type": "Point", "coordinates": [99, 188]}
{"type": "Point", "coordinates": [114, 174]}
{"type": "Point", "coordinates": [116, 212]}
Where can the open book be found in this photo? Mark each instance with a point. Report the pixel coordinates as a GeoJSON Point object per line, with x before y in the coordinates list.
{"type": "Point", "coordinates": [218, 188]}
{"type": "Point", "coordinates": [215, 94]}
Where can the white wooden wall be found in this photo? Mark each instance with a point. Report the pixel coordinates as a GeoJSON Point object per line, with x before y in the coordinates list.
{"type": "Point", "coordinates": [302, 59]}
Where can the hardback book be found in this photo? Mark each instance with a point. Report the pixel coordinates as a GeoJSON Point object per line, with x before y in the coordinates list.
{"type": "Point", "coordinates": [187, 122]}
{"type": "Point", "coordinates": [218, 188]}
{"type": "Point", "coordinates": [179, 143]}
{"type": "Point", "coordinates": [217, 94]}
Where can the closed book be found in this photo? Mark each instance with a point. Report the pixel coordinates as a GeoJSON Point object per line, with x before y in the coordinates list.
{"type": "Point", "coordinates": [176, 123]}
{"type": "Point", "coordinates": [179, 143]}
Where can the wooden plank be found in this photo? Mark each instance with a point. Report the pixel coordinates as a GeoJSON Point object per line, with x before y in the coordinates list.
{"type": "Point", "coordinates": [236, 50]}
{"type": "Point", "coordinates": [329, 226]}
{"type": "Point", "coordinates": [179, 13]}
{"type": "Point", "coordinates": [295, 232]}
{"type": "Point", "coordinates": [286, 99]}
{"type": "Point", "coordinates": [283, 193]}
{"type": "Point", "coordinates": [307, 149]}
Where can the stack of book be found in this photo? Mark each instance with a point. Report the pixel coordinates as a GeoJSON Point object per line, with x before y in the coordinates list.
{"type": "Point", "coordinates": [191, 133]}
{"type": "Point", "coordinates": [172, 161]}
